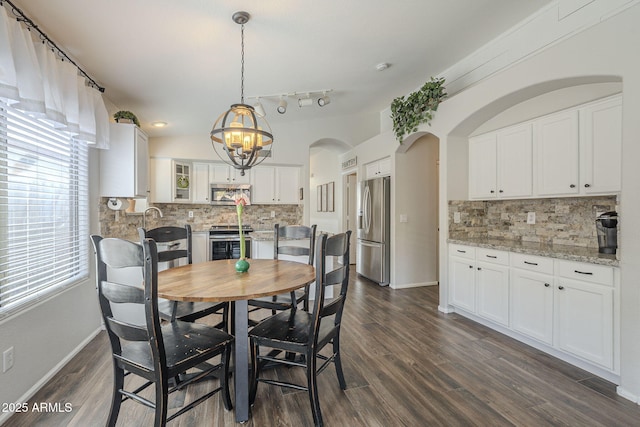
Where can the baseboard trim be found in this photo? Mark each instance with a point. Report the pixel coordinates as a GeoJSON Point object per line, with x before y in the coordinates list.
{"type": "Point", "coordinates": [629, 396]}
{"type": "Point", "coordinates": [49, 375]}
{"type": "Point", "coordinates": [413, 285]}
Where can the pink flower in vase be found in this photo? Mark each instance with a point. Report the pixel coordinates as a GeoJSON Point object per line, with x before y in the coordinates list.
{"type": "Point", "coordinates": [241, 201]}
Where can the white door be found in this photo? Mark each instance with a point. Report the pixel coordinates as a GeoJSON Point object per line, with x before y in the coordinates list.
{"type": "Point", "coordinates": [532, 304]}
{"type": "Point", "coordinates": [515, 166]}
{"type": "Point", "coordinates": [585, 320]}
{"type": "Point", "coordinates": [492, 282]}
{"type": "Point", "coordinates": [601, 146]}
{"type": "Point", "coordinates": [482, 167]}
{"type": "Point", "coordinates": [557, 160]}
{"type": "Point", "coordinates": [463, 288]}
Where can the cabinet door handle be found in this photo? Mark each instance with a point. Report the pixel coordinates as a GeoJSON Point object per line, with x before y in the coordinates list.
{"type": "Point", "coordinates": [587, 185]}
{"type": "Point", "coordinates": [462, 252]}
{"type": "Point", "coordinates": [492, 191]}
{"type": "Point", "coordinates": [561, 287]}
{"type": "Point", "coordinates": [588, 273]}
{"type": "Point", "coordinates": [531, 263]}
{"type": "Point", "coordinates": [479, 269]}
{"type": "Point", "coordinates": [501, 191]}
{"type": "Point", "coordinates": [491, 256]}
{"type": "Point", "coordinates": [572, 186]}
{"type": "Point", "coordinates": [471, 266]}
{"type": "Point", "coordinates": [546, 285]}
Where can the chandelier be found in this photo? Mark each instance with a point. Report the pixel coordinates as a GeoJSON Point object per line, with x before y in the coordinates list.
{"type": "Point", "coordinates": [238, 137]}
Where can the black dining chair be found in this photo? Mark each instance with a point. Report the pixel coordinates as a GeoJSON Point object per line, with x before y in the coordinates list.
{"type": "Point", "coordinates": [153, 351]}
{"type": "Point", "coordinates": [286, 242]}
{"type": "Point", "coordinates": [179, 247]}
{"type": "Point", "coordinates": [306, 333]}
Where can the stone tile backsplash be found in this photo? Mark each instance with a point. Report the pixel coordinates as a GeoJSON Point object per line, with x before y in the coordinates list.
{"type": "Point", "coordinates": [561, 221]}
{"type": "Point", "coordinates": [122, 225]}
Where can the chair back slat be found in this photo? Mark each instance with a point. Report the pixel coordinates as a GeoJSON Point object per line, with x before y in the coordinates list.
{"type": "Point", "coordinates": [326, 247]}
{"type": "Point", "coordinates": [284, 234]}
{"type": "Point", "coordinates": [120, 293]}
{"type": "Point", "coordinates": [119, 253]}
{"type": "Point", "coordinates": [127, 331]}
{"type": "Point", "coordinates": [169, 234]}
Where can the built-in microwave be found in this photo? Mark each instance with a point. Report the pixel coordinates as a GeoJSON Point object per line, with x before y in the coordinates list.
{"type": "Point", "coordinates": [226, 194]}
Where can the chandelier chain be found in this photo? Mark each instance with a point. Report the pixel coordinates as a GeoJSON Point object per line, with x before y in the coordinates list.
{"type": "Point", "coordinates": [242, 64]}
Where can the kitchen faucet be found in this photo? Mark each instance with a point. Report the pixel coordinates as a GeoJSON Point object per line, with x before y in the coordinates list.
{"type": "Point", "coordinates": [144, 215]}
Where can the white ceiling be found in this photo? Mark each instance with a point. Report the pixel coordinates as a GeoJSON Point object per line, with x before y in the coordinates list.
{"type": "Point", "coordinates": [179, 61]}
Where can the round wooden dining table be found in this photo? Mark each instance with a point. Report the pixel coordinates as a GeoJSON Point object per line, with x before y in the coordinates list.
{"type": "Point", "coordinates": [216, 281]}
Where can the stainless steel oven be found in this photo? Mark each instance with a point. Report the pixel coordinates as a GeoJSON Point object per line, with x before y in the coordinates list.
{"type": "Point", "coordinates": [224, 242]}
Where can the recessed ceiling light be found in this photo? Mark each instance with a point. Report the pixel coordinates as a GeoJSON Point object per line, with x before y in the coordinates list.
{"type": "Point", "coordinates": [382, 66]}
{"type": "Point", "coordinates": [159, 124]}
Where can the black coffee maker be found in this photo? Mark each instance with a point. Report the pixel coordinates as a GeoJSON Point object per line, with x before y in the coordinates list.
{"type": "Point", "coordinates": [607, 228]}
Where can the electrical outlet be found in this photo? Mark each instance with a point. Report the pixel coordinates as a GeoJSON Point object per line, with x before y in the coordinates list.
{"type": "Point", "coordinates": [7, 359]}
{"type": "Point", "coordinates": [531, 218]}
{"type": "Point", "coordinates": [456, 217]}
{"type": "Point", "coordinates": [273, 214]}
{"type": "Point", "coordinates": [403, 218]}
{"type": "Point", "coordinates": [190, 214]}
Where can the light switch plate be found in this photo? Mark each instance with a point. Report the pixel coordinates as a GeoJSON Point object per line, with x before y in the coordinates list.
{"type": "Point", "coordinates": [403, 218]}
{"type": "Point", "coordinates": [531, 218]}
{"type": "Point", "coordinates": [456, 217]}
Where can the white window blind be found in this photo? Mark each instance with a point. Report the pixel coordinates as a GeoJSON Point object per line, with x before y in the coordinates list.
{"type": "Point", "coordinates": [43, 210]}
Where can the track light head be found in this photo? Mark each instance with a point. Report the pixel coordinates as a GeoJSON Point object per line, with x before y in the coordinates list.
{"type": "Point", "coordinates": [259, 109]}
{"type": "Point", "coordinates": [282, 106]}
{"type": "Point", "coordinates": [305, 102]}
{"type": "Point", "coordinates": [324, 100]}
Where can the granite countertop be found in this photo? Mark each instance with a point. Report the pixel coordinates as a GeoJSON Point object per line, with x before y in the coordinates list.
{"type": "Point", "coordinates": [566, 252]}
{"type": "Point", "coordinates": [266, 235]}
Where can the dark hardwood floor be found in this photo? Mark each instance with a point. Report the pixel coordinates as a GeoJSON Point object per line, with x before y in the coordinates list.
{"type": "Point", "coordinates": [406, 364]}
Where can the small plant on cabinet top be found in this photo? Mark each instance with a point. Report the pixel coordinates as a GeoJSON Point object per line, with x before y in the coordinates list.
{"type": "Point", "coordinates": [126, 115]}
{"type": "Point", "coordinates": [408, 114]}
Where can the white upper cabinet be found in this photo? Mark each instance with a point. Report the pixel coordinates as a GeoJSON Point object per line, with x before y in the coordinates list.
{"type": "Point", "coordinates": [221, 173]}
{"type": "Point", "coordinates": [556, 141]}
{"type": "Point", "coordinates": [482, 166]}
{"type": "Point", "coordinates": [573, 152]}
{"type": "Point", "coordinates": [124, 167]}
{"type": "Point", "coordinates": [378, 168]}
{"type": "Point", "coordinates": [275, 185]}
{"type": "Point", "coordinates": [200, 182]}
{"type": "Point", "coordinates": [500, 163]}
{"type": "Point", "coordinates": [601, 146]}
{"type": "Point", "coordinates": [170, 181]}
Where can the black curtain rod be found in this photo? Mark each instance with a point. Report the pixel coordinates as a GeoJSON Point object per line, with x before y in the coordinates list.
{"type": "Point", "coordinates": [32, 25]}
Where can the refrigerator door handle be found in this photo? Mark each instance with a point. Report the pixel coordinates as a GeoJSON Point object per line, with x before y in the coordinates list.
{"type": "Point", "coordinates": [367, 209]}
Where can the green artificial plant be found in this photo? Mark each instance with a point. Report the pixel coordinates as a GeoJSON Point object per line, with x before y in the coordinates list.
{"type": "Point", "coordinates": [407, 114]}
{"type": "Point", "coordinates": [126, 115]}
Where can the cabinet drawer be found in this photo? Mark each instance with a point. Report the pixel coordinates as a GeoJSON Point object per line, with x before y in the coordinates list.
{"type": "Point", "coordinates": [461, 251]}
{"type": "Point", "coordinates": [492, 256]}
{"type": "Point", "coordinates": [586, 272]}
{"type": "Point", "coordinates": [532, 263]}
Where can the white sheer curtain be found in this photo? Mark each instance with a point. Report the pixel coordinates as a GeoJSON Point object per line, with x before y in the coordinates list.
{"type": "Point", "coordinates": [34, 80]}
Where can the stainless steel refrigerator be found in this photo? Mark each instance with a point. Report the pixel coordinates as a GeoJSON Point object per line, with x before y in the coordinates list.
{"type": "Point", "coordinates": [374, 211]}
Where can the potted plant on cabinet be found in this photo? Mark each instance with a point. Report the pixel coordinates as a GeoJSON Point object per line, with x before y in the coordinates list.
{"type": "Point", "coordinates": [408, 114]}
{"type": "Point", "coordinates": [126, 117]}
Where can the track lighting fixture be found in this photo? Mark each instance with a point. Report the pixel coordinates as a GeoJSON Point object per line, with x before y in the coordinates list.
{"type": "Point", "coordinates": [282, 105]}
{"type": "Point", "coordinates": [305, 102]}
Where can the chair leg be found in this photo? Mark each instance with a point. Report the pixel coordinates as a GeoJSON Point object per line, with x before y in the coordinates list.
{"type": "Point", "coordinates": [116, 399]}
{"type": "Point", "coordinates": [255, 371]}
{"type": "Point", "coordinates": [312, 386]}
{"type": "Point", "coordinates": [337, 361]}
{"type": "Point", "coordinates": [224, 378]}
{"type": "Point", "coordinates": [162, 393]}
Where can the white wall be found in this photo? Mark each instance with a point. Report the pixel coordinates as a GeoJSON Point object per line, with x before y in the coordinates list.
{"type": "Point", "coordinates": [324, 167]}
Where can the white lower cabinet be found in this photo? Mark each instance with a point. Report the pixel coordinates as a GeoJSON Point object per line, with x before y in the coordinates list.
{"type": "Point", "coordinates": [492, 282]}
{"type": "Point", "coordinates": [532, 304]}
{"type": "Point", "coordinates": [585, 314]}
{"type": "Point", "coordinates": [200, 246]}
{"type": "Point", "coordinates": [566, 306]}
